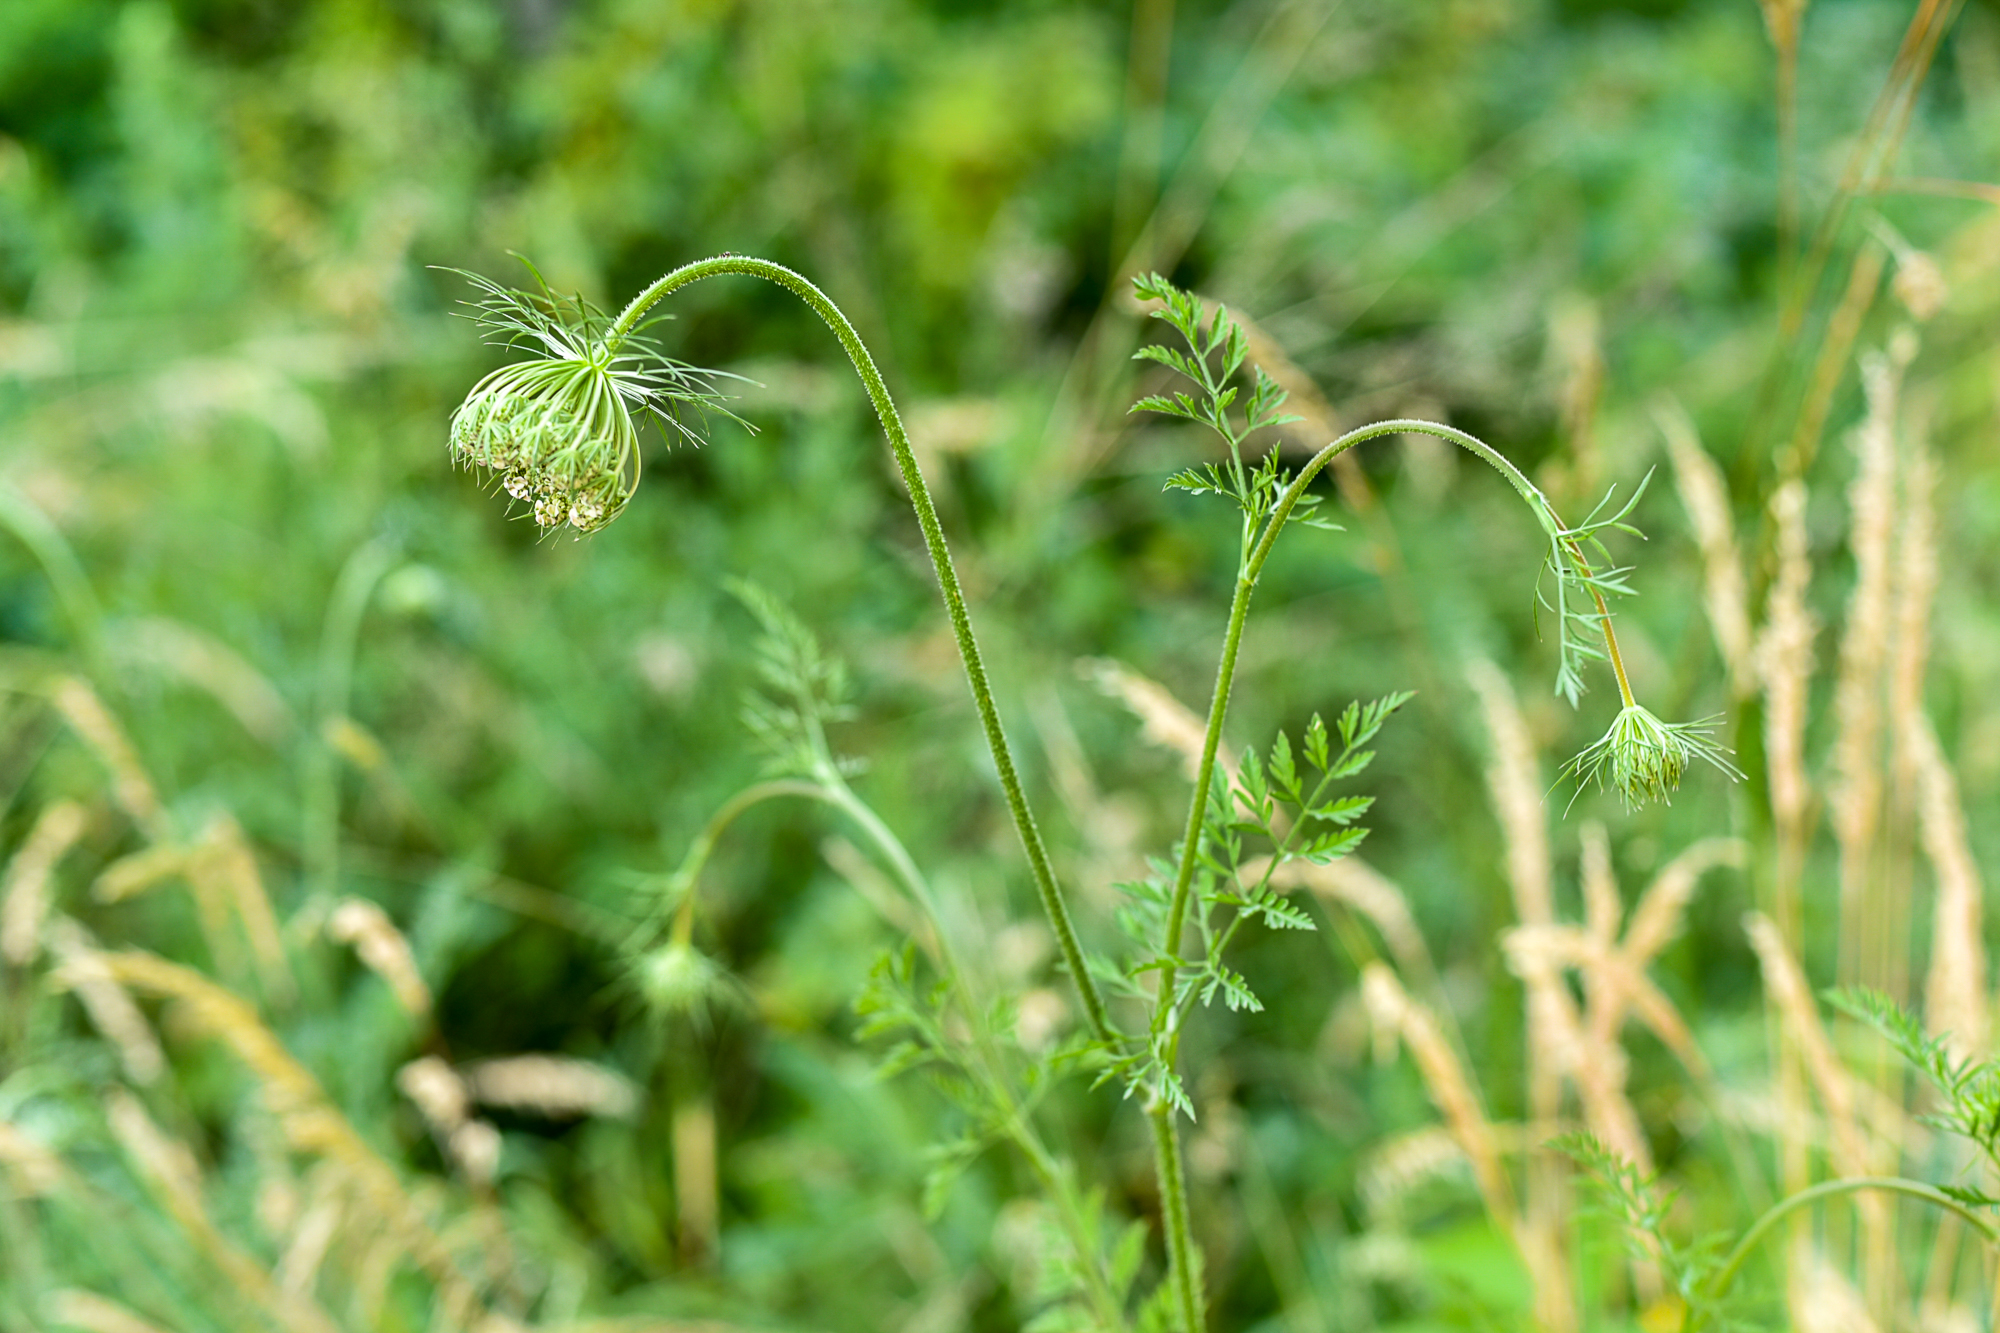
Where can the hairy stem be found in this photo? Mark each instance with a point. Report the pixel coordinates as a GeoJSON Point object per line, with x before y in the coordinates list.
{"type": "Point", "coordinates": [947, 577]}
{"type": "Point", "coordinates": [1719, 1285]}
{"type": "Point", "coordinates": [1174, 1215]}
{"type": "Point", "coordinates": [1173, 1188]}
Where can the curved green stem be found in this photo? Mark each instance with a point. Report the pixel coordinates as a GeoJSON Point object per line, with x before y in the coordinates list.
{"type": "Point", "coordinates": [25, 519]}
{"type": "Point", "coordinates": [827, 787]}
{"type": "Point", "coordinates": [681, 886]}
{"type": "Point", "coordinates": [1719, 1285]}
{"type": "Point", "coordinates": [339, 638]}
{"type": "Point", "coordinates": [947, 577]}
{"type": "Point", "coordinates": [1165, 1137]}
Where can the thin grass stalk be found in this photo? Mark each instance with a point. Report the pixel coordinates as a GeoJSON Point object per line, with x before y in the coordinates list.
{"type": "Point", "coordinates": [1704, 493]}
{"type": "Point", "coordinates": [1955, 1003]}
{"type": "Point", "coordinates": [311, 1124]}
{"type": "Point", "coordinates": [1856, 798]}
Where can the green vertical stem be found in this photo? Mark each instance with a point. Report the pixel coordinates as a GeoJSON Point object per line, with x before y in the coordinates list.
{"type": "Point", "coordinates": [947, 577]}
{"type": "Point", "coordinates": [1173, 1185]}
{"type": "Point", "coordinates": [1174, 1215]}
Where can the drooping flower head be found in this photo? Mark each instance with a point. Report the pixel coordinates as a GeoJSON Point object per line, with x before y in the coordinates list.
{"type": "Point", "coordinates": [1642, 758]}
{"type": "Point", "coordinates": [560, 429]}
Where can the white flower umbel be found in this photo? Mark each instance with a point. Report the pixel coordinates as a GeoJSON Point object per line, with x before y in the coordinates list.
{"type": "Point", "coordinates": [559, 429]}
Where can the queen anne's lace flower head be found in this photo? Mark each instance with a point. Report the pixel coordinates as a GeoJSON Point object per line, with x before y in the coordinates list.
{"type": "Point", "coordinates": [559, 429]}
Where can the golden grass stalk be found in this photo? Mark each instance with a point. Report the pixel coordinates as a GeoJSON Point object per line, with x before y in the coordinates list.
{"type": "Point", "coordinates": [1786, 988]}
{"type": "Point", "coordinates": [93, 723]}
{"type": "Point", "coordinates": [1822, 1300]}
{"type": "Point", "coordinates": [1955, 992]}
{"type": "Point", "coordinates": [1164, 720]}
{"type": "Point", "coordinates": [1393, 1011]}
{"type": "Point", "coordinates": [1830, 367]}
{"type": "Point", "coordinates": [1784, 667]}
{"type": "Point", "coordinates": [223, 866]}
{"type": "Point", "coordinates": [1657, 918]}
{"type": "Point", "coordinates": [1916, 590]}
{"type": "Point", "coordinates": [80, 968]}
{"type": "Point", "coordinates": [86, 1310]}
{"type": "Point", "coordinates": [143, 870]}
{"type": "Point", "coordinates": [310, 1123]}
{"type": "Point", "coordinates": [1513, 780]}
{"type": "Point", "coordinates": [212, 666]}
{"type": "Point", "coordinates": [298, 1268]}
{"type": "Point", "coordinates": [1856, 797]}
{"type": "Point", "coordinates": [35, 1170]}
{"type": "Point", "coordinates": [1514, 785]}
{"type": "Point", "coordinates": [552, 1085]}
{"type": "Point", "coordinates": [1355, 884]}
{"type": "Point", "coordinates": [697, 1201]}
{"type": "Point", "coordinates": [174, 1179]}
{"type": "Point", "coordinates": [437, 1092]}
{"type": "Point", "coordinates": [26, 890]}
{"type": "Point", "coordinates": [1398, 1165]}
{"type": "Point", "coordinates": [382, 950]}
{"type": "Point", "coordinates": [1705, 495]}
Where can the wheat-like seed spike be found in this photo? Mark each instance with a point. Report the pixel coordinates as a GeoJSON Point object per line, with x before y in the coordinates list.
{"type": "Point", "coordinates": [1955, 993]}
{"type": "Point", "coordinates": [1448, 1083]}
{"type": "Point", "coordinates": [86, 1310]}
{"type": "Point", "coordinates": [1789, 994]}
{"type": "Point", "coordinates": [1515, 789]}
{"type": "Point", "coordinates": [222, 860]}
{"type": "Point", "coordinates": [25, 892]}
{"type": "Point", "coordinates": [1822, 1300]}
{"type": "Point", "coordinates": [1919, 284]}
{"type": "Point", "coordinates": [1354, 883]}
{"type": "Point", "coordinates": [146, 869]}
{"type": "Point", "coordinates": [1785, 666]}
{"type": "Point", "coordinates": [696, 1199]}
{"type": "Point", "coordinates": [135, 873]}
{"type": "Point", "coordinates": [552, 1085]}
{"type": "Point", "coordinates": [35, 1170]}
{"type": "Point", "coordinates": [311, 1124]}
{"type": "Point", "coordinates": [1597, 1068]}
{"type": "Point", "coordinates": [1603, 909]}
{"type": "Point", "coordinates": [383, 950]}
{"type": "Point", "coordinates": [1400, 1164]}
{"type": "Point", "coordinates": [94, 724]}
{"type": "Point", "coordinates": [445, 1101]}
{"type": "Point", "coordinates": [171, 1172]}
{"type": "Point", "coordinates": [1165, 720]}
{"type": "Point", "coordinates": [437, 1092]}
{"type": "Point", "coordinates": [1705, 496]}
{"type": "Point", "coordinates": [311, 1238]}
{"type": "Point", "coordinates": [1657, 918]}
{"type": "Point", "coordinates": [210, 665]}
{"type": "Point", "coordinates": [1513, 780]}
{"type": "Point", "coordinates": [80, 968]}
{"type": "Point", "coordinates": [1916, 589]}
{"type": "Point", "coordinates": [1857, 787]}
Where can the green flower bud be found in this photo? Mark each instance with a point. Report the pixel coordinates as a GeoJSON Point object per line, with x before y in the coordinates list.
{"type": "Point", "coordinates": [1643, 758]}
{"type": "Point", "coordinates": [560, 429]}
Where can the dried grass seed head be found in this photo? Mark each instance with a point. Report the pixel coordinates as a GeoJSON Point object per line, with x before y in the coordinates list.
{"type": "Point", "coordinates": [561, 429]}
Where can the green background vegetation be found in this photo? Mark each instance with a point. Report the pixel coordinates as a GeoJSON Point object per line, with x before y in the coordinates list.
{"type": "Point", "coordinates": [226, 365]}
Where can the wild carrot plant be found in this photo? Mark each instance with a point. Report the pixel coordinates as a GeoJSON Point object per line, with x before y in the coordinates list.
{"type": "Point", "coordinates": [558, 431]}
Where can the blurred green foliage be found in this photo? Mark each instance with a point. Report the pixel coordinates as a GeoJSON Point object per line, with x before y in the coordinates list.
{"type": "Point", "coordinates": [226, 365]}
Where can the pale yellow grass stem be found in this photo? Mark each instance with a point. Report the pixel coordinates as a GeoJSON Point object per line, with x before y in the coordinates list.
{"type": "Point", "coordinates": [27, 889]}
{"type": "Point", "coordinates": [383, 950]}
{"type": "Point", "coordinates": [1955, 1004]}
{"type": "Point", "coordinates": [96, 727]}
{"type": "Point", "coordinates": [310, 1123]}
{"type": "Point", "coordinates": [1705, 495]}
